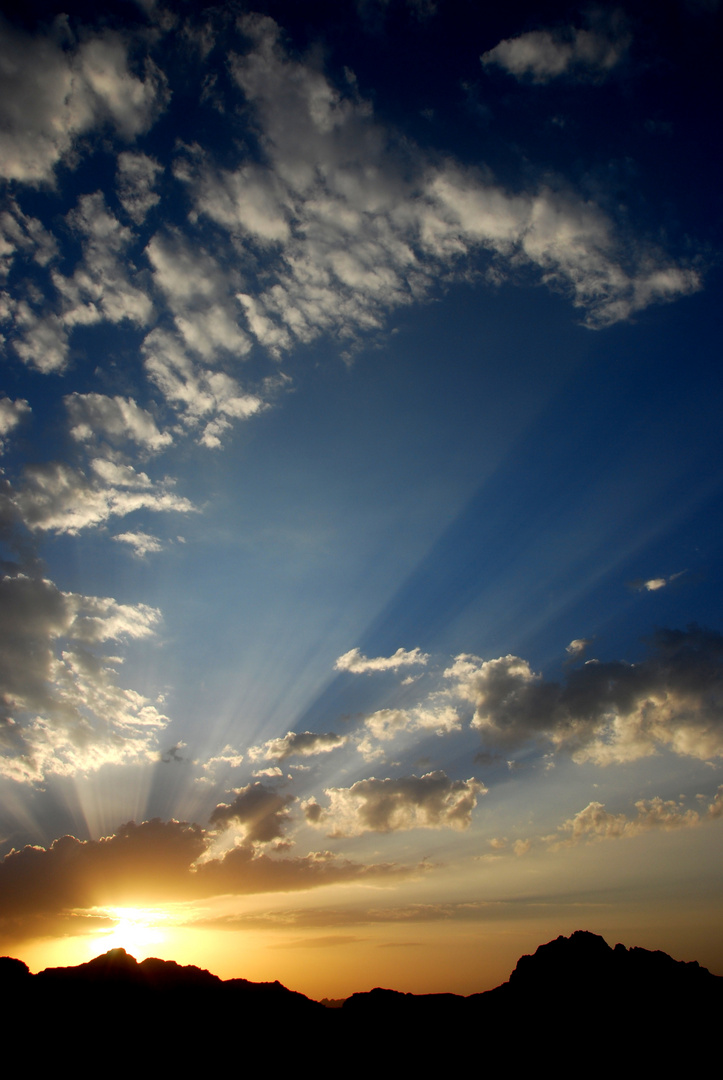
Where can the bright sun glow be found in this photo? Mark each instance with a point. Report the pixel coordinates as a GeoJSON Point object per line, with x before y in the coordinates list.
{"type": "Point", "coordinates": [138, 930]}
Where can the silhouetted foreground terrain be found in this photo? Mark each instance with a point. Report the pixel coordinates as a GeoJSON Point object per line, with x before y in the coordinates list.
{"type": "Point", "coordinates": [576, 1004]}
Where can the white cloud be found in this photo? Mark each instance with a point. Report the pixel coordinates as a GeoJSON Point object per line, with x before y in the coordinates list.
{"type": "Point", "coordinates": [578, 646]}
{"type": "Point", "coordinates": [43, 343]}
{"type": "Point", "coordinates": [56, 496]}
{"type": "Point", "coordinates": [544, 55]}
{"type": "Point", "coordinates": [137, 176]}
{"type": "Point", "coordinates": [51, 94]}
{"type": "Point", "coordinates": [432, 801]}
{"type": "Point", "coordinates": [63, 711]}
{"type": "Point", "coordinates": [117, 418]}
{"type": "Point", "coordinates": [386, 724]}
{"type": "Point", "coordinates": [355, 662]}
{"type": "Point", "coordinates": [297, 744]}
{"type": "Point", "coordinates": [349, 226]}
{"type": "Point", "coordinates": [142, 543]}
{"type": "Point", "coordinates": [11, 414]}
{"type": "Point", "coordinates": [654, 584]}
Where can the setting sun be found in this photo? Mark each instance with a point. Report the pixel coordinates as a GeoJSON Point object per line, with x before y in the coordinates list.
{"type": "Point", "coordinates": [138, 930]}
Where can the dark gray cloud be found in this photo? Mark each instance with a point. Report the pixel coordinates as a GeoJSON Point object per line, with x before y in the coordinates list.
{"type": "Point", "coordinates": [261, 810]}
{"type": "Point", "coordinates": [605, 712]}
{"type": "Point", "coordinates": [297, 744]}
{"type": "Point", "coordinates": [432, 801]}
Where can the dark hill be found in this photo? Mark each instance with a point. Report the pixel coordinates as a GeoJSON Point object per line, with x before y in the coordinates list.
{"type": "Point", "coordinates": [589, 1006]}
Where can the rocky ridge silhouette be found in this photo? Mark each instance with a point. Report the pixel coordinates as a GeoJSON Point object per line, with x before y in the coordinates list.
{"type": "Point", "coordinates": [632, 1004]}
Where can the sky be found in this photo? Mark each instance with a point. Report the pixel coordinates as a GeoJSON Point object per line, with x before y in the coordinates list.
{"type": "Point", "coordinates": [362, 485]}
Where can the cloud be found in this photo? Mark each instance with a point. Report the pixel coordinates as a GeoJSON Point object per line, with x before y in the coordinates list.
{"type": "Point", "coordinates": [654, 584]}
{"type": "Point", "coordinates": [386, 724]}
{"type": "Point", "coordinates": [350, 222]}
{"type": "Point", "coordinates": [432, 801]}
{"type": "Point", "coordinates": [150, 863]}
{"type": "Point", "coordinates": [261, 810]}
{"type": "Point", "coordinates": [53, 90]}
{"type": "Point", "coordinates": [605, 712]}
{"type": "Point", "coordinates": [594, 822]}
{"type": "Point", "coordinates": [27, 236]}
{"type": "Point", "coordinates": [11, 414]}
{"type": "Point", "coordinates": [136, 177]}
{"type": "Point", "coordinates": [544, 55]}
{"type": "Point", "coordinates": [142, 543]}
{"type": "Point", "coordinates": [355, 662]}
{"type": "Point", "coordinates": [298, 744]}
{"type": "Point", "coordinates": [62, 711]}
{"type": "Point", "coordinates": [101, 287]}
{"type": "Point", "coordinates": [577, 647]}
{"type": "Point", "coordinates": [198, 393]}
{"type": "Point", "coordinates": [60, 498]}
{"type": "Point", "coordinates": [115, 418]}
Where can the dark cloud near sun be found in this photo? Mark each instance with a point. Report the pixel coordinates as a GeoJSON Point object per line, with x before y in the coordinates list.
{"type": "Point", "coordinates": [156, 861]}
{"type": "Point", "coordinates": [262, 811]}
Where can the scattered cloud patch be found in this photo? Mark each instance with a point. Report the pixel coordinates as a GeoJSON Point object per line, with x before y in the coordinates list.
{"type": "Point", "coordinates": [63, 712]}
{"type": "Point", "coordinates": [53, 91]}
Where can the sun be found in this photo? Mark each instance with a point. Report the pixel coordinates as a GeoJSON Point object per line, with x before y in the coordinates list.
{"type": "Point", "coordinates": [137, 930]}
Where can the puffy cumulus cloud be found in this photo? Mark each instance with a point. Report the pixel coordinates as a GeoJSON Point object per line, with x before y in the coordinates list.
{"type": "Point", "coordinates": [229, 758]}
{"type": "Point", "coordinates": [60, 498]}
{"type": "Point", "coordinates": [100, 288]}
{"type": "Point", "coordinates": [386, 724]}
{"type": "Point", "coordinates": [543, 55]}
{"type": "Point", "coordinates": [605, 712]}
{"type": "Point", "coordinates": [349, 222]}
{"type": "Point", "coordinates": [298, 744]}
{"type": "Point", "coordinates": [62, 710]}
{"type": "Point", "coordinates": [137, 175]}
{"type": "Point", "coordinates": [52, 91]}
{"type": "Point", "coordinates": [357, 663]}
{"type": "Point", "coordinates": [260, 810]}
{"type": "Point", "coordinates": [142, 543]}
{"type": "Point", "coordinates": [432, 801]}
{"type": "Point", "coordinates": [114, 418]}
{"type": "Point", "coordinates": [11, 413]}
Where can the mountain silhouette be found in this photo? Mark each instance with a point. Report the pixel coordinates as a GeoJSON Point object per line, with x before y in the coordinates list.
{"type": "Point", "coordinates": [588, 1005]}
